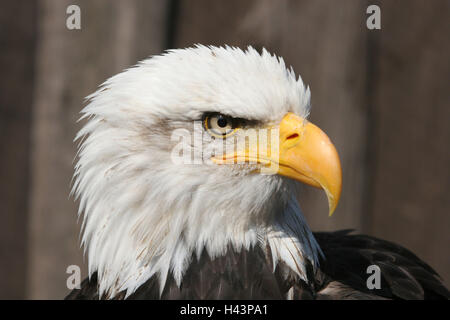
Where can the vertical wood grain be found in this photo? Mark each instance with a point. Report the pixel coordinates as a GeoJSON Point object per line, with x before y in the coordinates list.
{"type": "Point", "coordinates": [411, 205]}
{"type": "Point", "coordinates": [17, 44]}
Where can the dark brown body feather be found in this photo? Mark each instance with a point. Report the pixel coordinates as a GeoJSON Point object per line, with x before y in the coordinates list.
{"type": "Point", "coordinates": [342, 275]}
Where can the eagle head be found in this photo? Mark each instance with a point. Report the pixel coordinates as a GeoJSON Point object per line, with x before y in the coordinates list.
{"type": "Point", "coordinates": [198, 149]}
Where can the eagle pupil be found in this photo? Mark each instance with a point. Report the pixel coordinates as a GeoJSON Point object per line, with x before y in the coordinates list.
{"type": "Point", "coordinates": [222, 122]}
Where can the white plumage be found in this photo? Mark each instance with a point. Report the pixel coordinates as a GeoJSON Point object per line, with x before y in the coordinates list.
{"type": "Point", "coordinates": [143, 214]}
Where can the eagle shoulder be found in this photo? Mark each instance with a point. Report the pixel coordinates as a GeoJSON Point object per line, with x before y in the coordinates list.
{"type": "Point", "coordinates": [344, 268]}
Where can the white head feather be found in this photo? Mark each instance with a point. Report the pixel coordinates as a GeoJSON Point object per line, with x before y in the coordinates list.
{"type": "Point", "coordinates": [145, 215]}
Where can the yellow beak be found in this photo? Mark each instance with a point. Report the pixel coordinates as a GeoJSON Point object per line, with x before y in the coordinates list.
{"type": "Point", "coordinates": [307, 155]}
{"type": "Point", "coordinates": [304, 153]}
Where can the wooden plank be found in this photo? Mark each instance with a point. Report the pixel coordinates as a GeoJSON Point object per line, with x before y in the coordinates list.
{"type": "Point", "coordinates": [17, 38]}
{"type": "Point", "coordinates": [325, 42]}
{"type": "Point", "coordinates": [412, 132]}
{"type": "Point", "coordinates": [70, 65]}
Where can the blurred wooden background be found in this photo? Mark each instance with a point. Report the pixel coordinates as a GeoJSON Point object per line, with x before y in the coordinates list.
{"type": "Point", "coordinates": [382, 96]}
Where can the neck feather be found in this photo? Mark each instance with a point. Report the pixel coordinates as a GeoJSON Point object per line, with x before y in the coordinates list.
{"type": "Point", "coordinates": [125, 254]}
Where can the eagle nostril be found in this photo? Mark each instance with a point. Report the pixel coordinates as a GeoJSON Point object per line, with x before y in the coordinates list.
{"type": "Point", "coordinates": [292, 136]}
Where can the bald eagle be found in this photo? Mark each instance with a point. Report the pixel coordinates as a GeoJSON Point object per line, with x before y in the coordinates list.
{"type": "Point", "coordinates": [173, 209]}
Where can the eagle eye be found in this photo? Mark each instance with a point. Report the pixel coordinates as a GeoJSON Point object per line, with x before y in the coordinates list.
{"type": "Point", "coordinates": [220, 125]}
